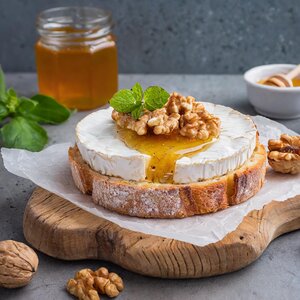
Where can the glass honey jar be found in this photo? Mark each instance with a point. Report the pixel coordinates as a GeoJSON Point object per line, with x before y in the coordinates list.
{"type": "Point", "coordinates": [76, 56]}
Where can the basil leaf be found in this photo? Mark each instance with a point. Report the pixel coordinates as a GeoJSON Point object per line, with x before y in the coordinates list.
{"type": "Point", "coordinates": [155, 97]}
{"type": "Point", "coordinates": [11, 100]}
{"type": "Point", "coordinates": [3, 111]}
{"type": "Point", "coordinates": [26, 106]}
{"type": "Point", "coordinates": [123, 101]}
{"type": "Point", "coordinates": [23, 134]}
{"type": "Point", "coordinates": [137, 112]}
{"type": "Point", "coordinates": [47, 110]}
{"type": "Point", "coordinates": [138, 92]}
{"type": "Point", "coordinates": [2, 84]}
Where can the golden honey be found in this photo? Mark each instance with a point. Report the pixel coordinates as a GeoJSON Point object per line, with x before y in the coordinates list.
{"type": "Point", "coordinates": [164, 150]}
{"type": "Point", "coordinates": [76, 76]}
{"type": "Point", "coordinates": [76, 56]}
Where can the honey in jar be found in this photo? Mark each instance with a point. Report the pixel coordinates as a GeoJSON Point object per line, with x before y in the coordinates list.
{"type": "Point", "coordinates": [76, 56]}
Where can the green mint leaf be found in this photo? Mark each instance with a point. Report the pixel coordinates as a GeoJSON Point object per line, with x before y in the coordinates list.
{"type": "Point", "coordinates": [11, 100]}
{"type": "Point", "coordinates": [3, 111]}
{"type": "Point", "coordinates": [11, 93]}
{"type": "Point", "coordinates": [2, 83]}
{"type": "Point", "coordinates": [138, 92]}
{"type": "Point", "coordinates": [155, 97]}
{"type": "Point", "coordinates": [137, 112]}
{"type": "Point", "coordinates": [26, 106]}
{"type": "Point", "coordinates": [47, 110]}
{"type": "Point", "coordinates": [123, 101]}
{"type": "Point", "coordinates": [23, 134]}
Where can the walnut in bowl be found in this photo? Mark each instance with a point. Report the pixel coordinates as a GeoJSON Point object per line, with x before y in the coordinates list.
{"type": "Point", "coordinates": [284, 154]}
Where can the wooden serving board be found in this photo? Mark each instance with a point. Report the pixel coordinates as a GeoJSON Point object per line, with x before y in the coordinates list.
{"type": "Point", "coordinates": [60, 229]}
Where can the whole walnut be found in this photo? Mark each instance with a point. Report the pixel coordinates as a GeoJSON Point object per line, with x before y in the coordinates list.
{"type": "Point", "coordinates": [18, 263]}
{"type": "Point", "coordinates": [284, 154]}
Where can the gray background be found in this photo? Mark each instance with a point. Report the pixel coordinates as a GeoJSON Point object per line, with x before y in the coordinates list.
{"type": "Point", "coordinates": [178, 36]}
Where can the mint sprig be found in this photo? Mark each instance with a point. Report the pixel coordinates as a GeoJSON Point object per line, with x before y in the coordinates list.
{"type": "Point", "coordinates": [21, 117]}
{"type": "Point", "coordinates": [137, 112]}
{"type": "Point", "coordinates": [123, 101]}
{"type": "Point", "coordinates": [155, 97]}
{"type": "Point", "coordinates": [138, 93]}
{"type": "Point", "coordinates": [135, 101]}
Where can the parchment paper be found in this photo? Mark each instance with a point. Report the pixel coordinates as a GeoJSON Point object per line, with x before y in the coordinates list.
{"type": "Point", "coordinates": [50, 170]}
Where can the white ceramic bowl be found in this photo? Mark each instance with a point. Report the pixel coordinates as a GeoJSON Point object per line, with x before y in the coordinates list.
{"type": "Point", "coordinates": [274, 102]}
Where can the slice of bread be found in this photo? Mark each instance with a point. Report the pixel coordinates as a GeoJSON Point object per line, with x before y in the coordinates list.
{"type": "Point", "coordinates": [154, 200]}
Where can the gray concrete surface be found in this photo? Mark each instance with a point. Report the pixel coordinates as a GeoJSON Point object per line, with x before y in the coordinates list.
{"type": "Point", "coordinates": [179, 36]}
{"type": "Point", "coordinates": [275, 275]}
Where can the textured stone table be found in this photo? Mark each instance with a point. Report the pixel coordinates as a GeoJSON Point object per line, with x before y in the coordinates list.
{"type": "Point", "coordinates": [276, 275]}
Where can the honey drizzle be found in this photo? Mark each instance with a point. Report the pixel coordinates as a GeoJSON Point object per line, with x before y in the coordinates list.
{"type": "Point", "coordinates": [164, 151]}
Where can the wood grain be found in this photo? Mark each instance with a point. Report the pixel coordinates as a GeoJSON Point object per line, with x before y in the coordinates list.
{"type": "Point", "coordinates": [62, 230]}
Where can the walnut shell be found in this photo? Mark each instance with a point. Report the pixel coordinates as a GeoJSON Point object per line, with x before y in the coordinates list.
{"type": "Point", "coordinates": [286, 167]}
{"type": "Point", "coordinates": [18, 263]}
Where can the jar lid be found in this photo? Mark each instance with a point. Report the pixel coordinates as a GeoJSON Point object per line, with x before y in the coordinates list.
{"type": "Point", "coordinates": [74, 22]}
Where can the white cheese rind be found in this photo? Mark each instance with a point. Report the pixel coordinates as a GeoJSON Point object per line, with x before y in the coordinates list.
{"type": "Point", "coordinates": [235, 145]}
{"type": "Point", "coordinates": [100, 147]}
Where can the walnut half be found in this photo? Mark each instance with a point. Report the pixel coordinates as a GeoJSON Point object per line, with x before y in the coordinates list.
{"type": "Point", "coordinates": [87, 284]}
{"type": "Point", "coordinates": [182, 115]}
{"type": "Point", "coordinates": [284, 154]}
{"type": "Point", "coordinates": [18, 263]}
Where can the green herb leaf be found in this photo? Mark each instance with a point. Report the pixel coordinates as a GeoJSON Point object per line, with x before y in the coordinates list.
{"type": "Point", "coordinates": [46, 110]}
{"type": "Point", "coordinates": [3, 111]}
{"type": "Point", "coordinates": [23, 130]}
{"type": "Point", "coordinates": [11, 100]}
{"type": "Point", "coordinates": [23, 134]}
{"type": "Point", "coordinates": [123, 101]}
{"type": "Point", "coordinates": [26, 106]}
{"type": "Point", "coordinates": [137, 112]}
{"type": "Point", "coordinates": [2, 84]}
{"type": "Point", "coordinates": [155, 97]}
{"type": "Point", "coordinates": [138, 92]}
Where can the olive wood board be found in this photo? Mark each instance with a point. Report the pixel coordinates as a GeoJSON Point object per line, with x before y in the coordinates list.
{"type": "Point", "coordinates": [62, 230]}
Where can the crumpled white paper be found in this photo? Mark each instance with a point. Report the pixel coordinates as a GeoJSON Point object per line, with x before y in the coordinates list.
{"type": "Point", "coordinates": [50, 170]}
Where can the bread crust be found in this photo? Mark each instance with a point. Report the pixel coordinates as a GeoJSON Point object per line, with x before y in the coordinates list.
{"type": "Point", "coordinates": [151, 200]}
